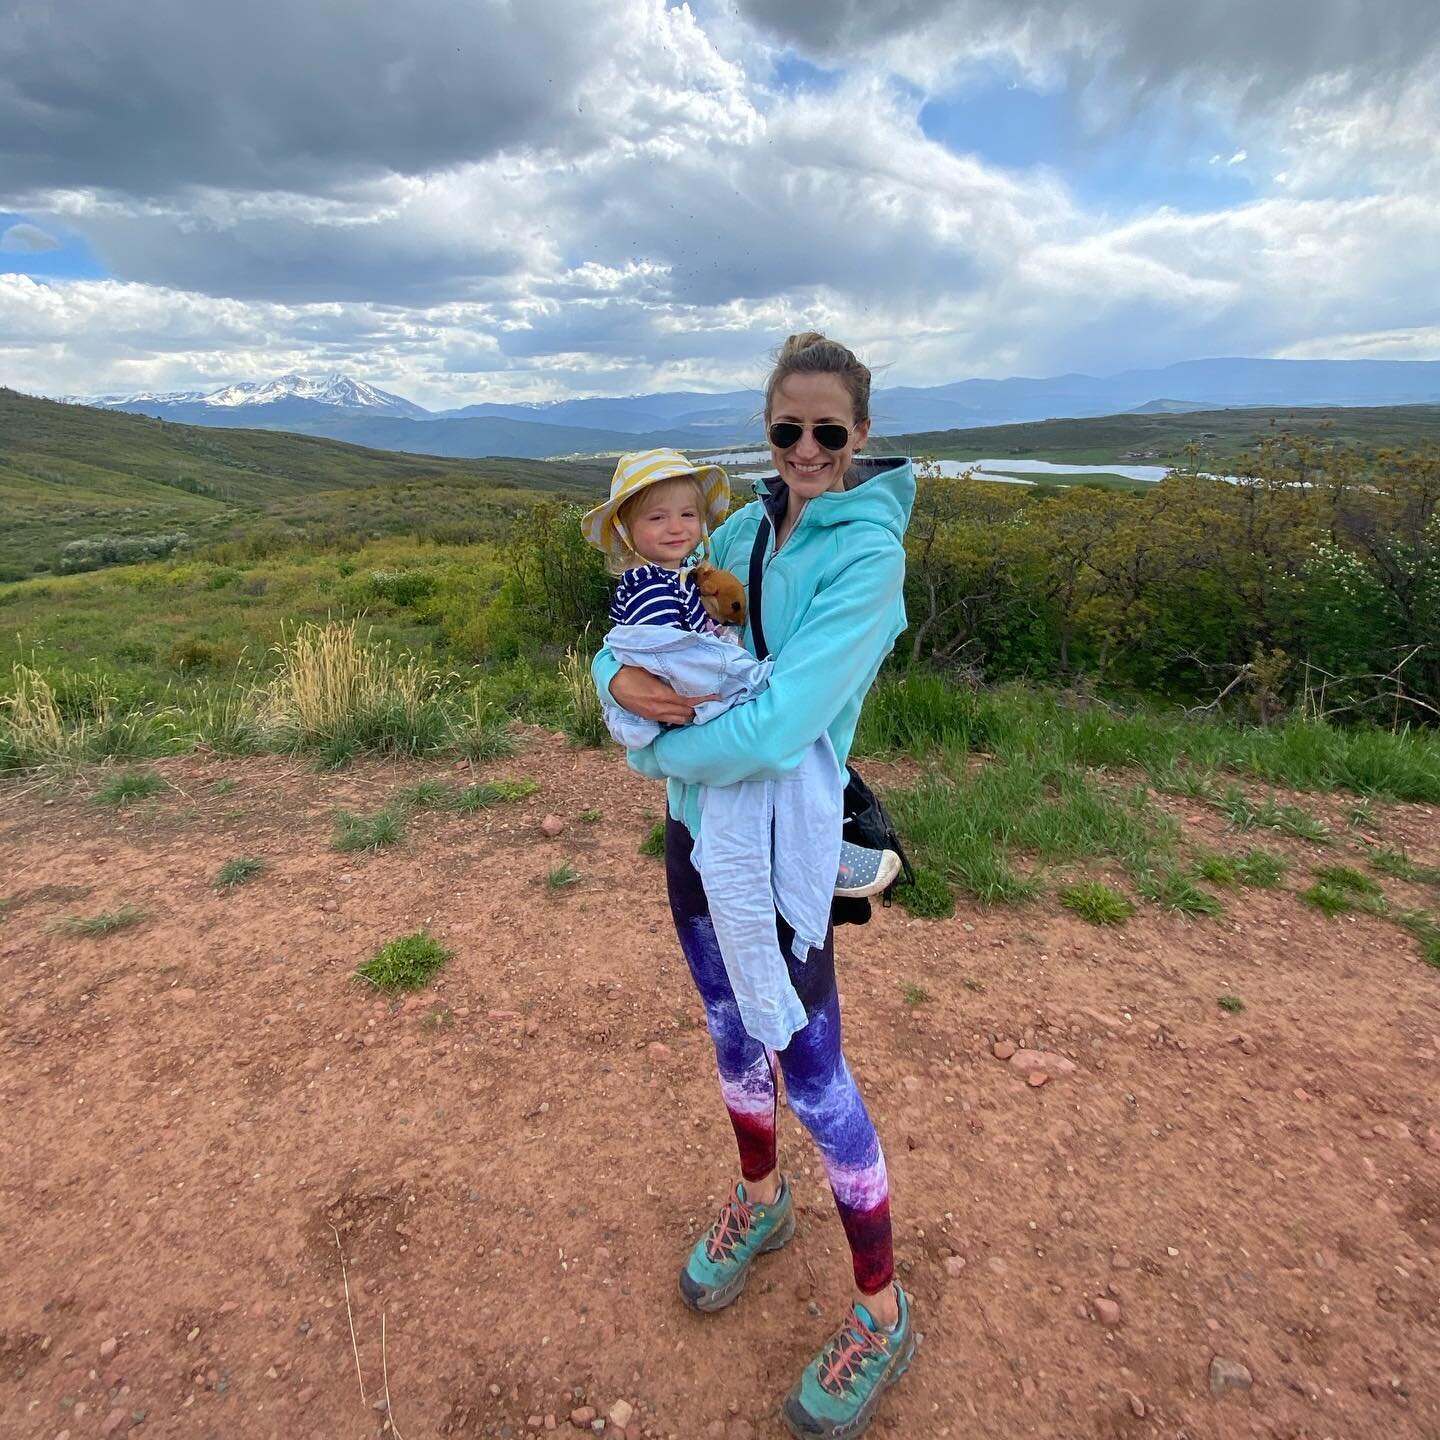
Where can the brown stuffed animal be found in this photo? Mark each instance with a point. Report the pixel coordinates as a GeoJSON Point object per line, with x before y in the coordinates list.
{"type": "Point", "coordinates": [722, 595]}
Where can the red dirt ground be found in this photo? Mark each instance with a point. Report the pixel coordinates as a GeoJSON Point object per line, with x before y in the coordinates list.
{"type": "Point", "coordinates": [194, 1109]}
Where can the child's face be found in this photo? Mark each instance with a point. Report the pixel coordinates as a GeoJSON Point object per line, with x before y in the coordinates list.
{"type": "Point", "coordinates": [665, 523]}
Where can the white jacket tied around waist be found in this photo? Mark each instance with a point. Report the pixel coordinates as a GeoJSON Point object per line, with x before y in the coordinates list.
{"type": "Point", "coordinates": [765, 845]}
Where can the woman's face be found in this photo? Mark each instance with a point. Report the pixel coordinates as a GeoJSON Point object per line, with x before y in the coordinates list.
{"type": "Point", "coordinates": [807, 467]}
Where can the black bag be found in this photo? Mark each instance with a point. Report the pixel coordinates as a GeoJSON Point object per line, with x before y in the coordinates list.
{"type": "Point", "coordinates": [867, 822]}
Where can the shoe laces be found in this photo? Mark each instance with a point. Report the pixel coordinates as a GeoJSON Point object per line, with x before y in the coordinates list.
{"type": "Point", "coordinates": [731, 1226]}
{"type": "Point", "coordinates": [843, 1358]}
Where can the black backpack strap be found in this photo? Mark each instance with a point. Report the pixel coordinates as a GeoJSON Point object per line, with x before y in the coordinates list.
{"type": "Point", "coordinates": [757, 574]}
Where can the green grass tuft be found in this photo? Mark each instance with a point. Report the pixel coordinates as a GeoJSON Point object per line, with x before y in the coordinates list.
{"type": "Point", "coordinates": [1218, 870]}
{"type": "Point", "coordinates": [515, 789]}
{"type": "Point", "coordinates": [929, 898]}
{"type": "Point", "coordinates": [104, 924]}
{"type": "Point", "coordinates": [1245, 814]}
{"type": "Point", "coordinates": [129, 786]}
{"type": "Point", "coordinates": [1096, 902]}
{"type": "Point", "coordinates": [406, 963]}
{"type": "Point", "coordinates": [423, 795]}
{"type": "Point", "coordinates": [1329, 900]}
{"type": "Point", "coordinates": [914, 994]}
{"type": "Point", "coordinates": [1396, 863]}
{"type": "Point", "coordinates": [1172, 889]}
{"type": "Point", "coordinates": [1346, 877]}
{"type": "Point", "coordinates": [1233, 1003]}
{"type": "Point", "coordinates": [1261, 869]}
{"type": "Point", "coordinates": [367, 832]}
{"type": "Point", "coordinates": [654, 843]}
{"type": "Point", "coordinates": [238, 872]}
{"type": "Point", "coordinates": [561, 876]}
{"type": "Point", "coordinates": [589, 817]}
{"type": "Point", "coordinates": [1425, 931]}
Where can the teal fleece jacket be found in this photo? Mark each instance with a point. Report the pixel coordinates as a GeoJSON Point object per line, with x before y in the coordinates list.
{"type": "Point", "coordinates": [833, 608]}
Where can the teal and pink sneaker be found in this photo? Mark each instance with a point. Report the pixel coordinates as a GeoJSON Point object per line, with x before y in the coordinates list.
{"type": "Point", "coordinates": [720, 1263]}
{"type": "Point", "coordinates": [836, 1394]}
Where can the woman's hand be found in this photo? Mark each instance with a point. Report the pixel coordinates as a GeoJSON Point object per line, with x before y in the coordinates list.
{"type": "Point", "coordinates": [648, 696]}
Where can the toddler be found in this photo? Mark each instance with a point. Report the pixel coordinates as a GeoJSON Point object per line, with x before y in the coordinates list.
{"type": "Point", "coordinates": [761, 841]}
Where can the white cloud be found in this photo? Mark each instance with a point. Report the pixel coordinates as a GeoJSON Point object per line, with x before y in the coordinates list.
{"type": "Point", "coordinates": [24, 239]}
{"type": "Point", "coordinates": [650, 213]}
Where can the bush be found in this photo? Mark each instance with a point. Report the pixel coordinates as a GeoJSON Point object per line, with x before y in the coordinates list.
{"type": "Point", "coordinates": [405, 964]}
{"type": "Point", "coordinates": [101, 550]}
{"type": "Point", "coordinates": [1098, 903]}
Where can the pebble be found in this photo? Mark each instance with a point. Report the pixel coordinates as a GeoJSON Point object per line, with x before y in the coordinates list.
{"type": "Point", "coordinates": [553, 826]}
{"type": "Point", "coordinates": [113, 1421]}
{"type": "Point", "coordinates": [1037, 1078]}
{"type": "Point", "coordinates": [1107, 1311]}
{"type": "Point", "coordinates": [1046, 1061]}
{"type": "Point", "coordinates": [1004, 1049]}
{"type": "Point", "coordinates": [581, 1416]}
{"type": "Point", "coordinates": [1119, 1261]}
{"type": "Point", "coordinates": [108, 1348]}
{"type": "Point", "coordinates": [621, 1414]}
{"type": "Point", "coordinates": [739, 1430]}
{"type": "Point", "coordinates": [1432, 1140]}
{"type": "Point", "coordinates": [657, 1051]}
{"type": "Point", "coordinates": [185, 993]}
{"type": "Point", "coordinates": [1228, 1375]}
{"type": "Point", "coordinates": [954, 1266]}
{"type": "Point", "coordinates": [1137, 1406]}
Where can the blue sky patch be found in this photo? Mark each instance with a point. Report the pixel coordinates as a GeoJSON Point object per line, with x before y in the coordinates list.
{"type": "Point", "coordinates": [71, 259]}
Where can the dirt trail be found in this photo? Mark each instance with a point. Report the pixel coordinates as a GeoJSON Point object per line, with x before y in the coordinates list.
{"type": "Point", "coordinates": [193, 1109]}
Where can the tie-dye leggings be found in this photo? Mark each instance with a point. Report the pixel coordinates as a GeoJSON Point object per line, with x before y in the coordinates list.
{"type": "Point", "coordinates": [822, 1092]}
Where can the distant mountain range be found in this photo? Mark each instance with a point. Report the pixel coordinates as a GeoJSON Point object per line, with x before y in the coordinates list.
{"type": "Point", "coordinates": [338, 407]}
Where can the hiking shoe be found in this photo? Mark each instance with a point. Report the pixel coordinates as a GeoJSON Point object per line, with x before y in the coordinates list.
{"type": "Point", "coordinates": [836, 1394]}
{"type": "Point", "coordinates": [720, 1263]}
{"type": "Point", "coordinates": [865, 872]}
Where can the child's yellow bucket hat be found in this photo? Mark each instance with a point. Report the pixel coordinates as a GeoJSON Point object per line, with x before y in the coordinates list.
{"type": "Point", "coordinates": [634, 472]}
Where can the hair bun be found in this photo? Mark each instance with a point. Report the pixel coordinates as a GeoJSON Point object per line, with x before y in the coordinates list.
{"type": "Point", "coordinates": [794, 344]}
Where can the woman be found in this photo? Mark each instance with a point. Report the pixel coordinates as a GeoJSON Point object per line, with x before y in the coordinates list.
{"type": "Point", "coordinates": [831, 609]}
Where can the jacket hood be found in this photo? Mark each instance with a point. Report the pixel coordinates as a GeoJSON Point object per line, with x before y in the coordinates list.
{"type": "Point", "coordinates": [883, 492]}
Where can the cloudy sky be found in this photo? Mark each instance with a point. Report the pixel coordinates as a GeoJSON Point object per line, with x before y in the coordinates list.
{"type": "Point", "coordinates": [528, 199]}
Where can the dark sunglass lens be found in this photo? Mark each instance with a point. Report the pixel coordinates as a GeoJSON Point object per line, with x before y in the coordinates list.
{"type": "Point", "coordinates": [832, 437]}
{"type": "Point", "coordinates": [784, 434]}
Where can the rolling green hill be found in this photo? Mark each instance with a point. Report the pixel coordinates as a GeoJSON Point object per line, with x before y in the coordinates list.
{"type": "Point", "coordinates": [68, 472]}
{"type": "Point", "coordinates": [1158, 439]}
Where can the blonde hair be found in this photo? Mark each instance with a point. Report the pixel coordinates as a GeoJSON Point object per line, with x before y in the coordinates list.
{"type": "Point", "coordinates": [619, 564]}
{"type": "Point", "coordinates": [810, 353]}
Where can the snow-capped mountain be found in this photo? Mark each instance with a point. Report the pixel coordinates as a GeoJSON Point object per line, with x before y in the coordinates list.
{"type": "Point", "coordinates": [290, 392]}
{"type": "Point", "coordinates": [140, 397]}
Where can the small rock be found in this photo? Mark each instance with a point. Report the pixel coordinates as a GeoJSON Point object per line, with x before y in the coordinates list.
{"type": "Point", "coordinates": [305, 1395]}
{"type": "Point", "coordinates": [108, 1348]}
{"type": "Point", "coordinates": [657, 1051]}
{"type": "Point", "coordinates": [1301, 1093]}
{"type": "Point", "coordinates": [329, 906]}
{"type": "Point", "coordinates": [1048, 1062]}
{"type": "Point", "coordinates": [535, 1422]}
{"type": "Point", "coordinates": [1137, 1405]}
{"type": "Point", "coordinates": [1432, 1140]}
{"type": "Point", "coordinates": [183, 994]}
{"type": "Point", "coordinates": [553, 826]}
{"type": "Point", "coordinates": [621, 1414]}
{"type": "Point", "coordinates": [113, 1421]}
{"type": "Point", "coordinates": [1107, 1311]}
{"type": "Point", "coordinates": [954, 1266]}
{"type": "Point", "coordinates": [1119, 1261]}
{"type": "Point", "coordinates": [1037, 1078]}
{"type": "Point", "coordinates": [581, 1416]}
{"type": "Point", "coordinates": [501, 1016]}
{"type": "Point", "coordinates": [1004, 1049]}
{"type": "Point", "coordinates": [739, 1429]}
{"type": "Point", "coordinates": [1228, 1375]}
{"type": "Point", "coordinates": [228, 1307]}
{"type": "Point", "coordinates": [532, 1029]}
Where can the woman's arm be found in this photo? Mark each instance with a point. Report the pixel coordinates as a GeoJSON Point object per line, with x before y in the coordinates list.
{"type": "Point", "coordinates": [850, 627]}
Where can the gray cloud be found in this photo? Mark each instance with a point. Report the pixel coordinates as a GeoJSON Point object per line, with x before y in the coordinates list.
{"type": "Point", "coordinates": [1256, 50]}
{"type": "Point", "coordinates": [25, 239]}
{"type": "Point", "coordinates": [145, 97]}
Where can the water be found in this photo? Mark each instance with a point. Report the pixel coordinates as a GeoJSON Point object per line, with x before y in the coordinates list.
{"type": "Point", "coordinates": [1005, 472]}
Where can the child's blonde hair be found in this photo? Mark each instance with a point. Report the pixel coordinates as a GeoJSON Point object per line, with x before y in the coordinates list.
{"type": "Point", "coordinates": [619, 564]}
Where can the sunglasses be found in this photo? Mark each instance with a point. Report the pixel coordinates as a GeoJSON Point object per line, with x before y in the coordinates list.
{"type": "Point", "coordinates": [785, 433]}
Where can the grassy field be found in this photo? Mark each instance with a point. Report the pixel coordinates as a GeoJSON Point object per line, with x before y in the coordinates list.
{"type": "Point", "coordinates": [1163, 439]}
{"type": "Point", "coordinates": [68, 472]}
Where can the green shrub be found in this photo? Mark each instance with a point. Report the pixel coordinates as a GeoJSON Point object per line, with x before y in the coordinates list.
{"type": "Point", "coordinates": [1346, 877]}
{"type": "Point", "coordinates": [1330, 900]}
{"type": "Point", "coordinates": [1171, 889]}
{"type": "Point", "coordinates": [1221, 870]}
{"type": "Point", "coordinates": [654, 843]}
{"type": "Point", "coordinates": [1233, 1003]}
{"type": "Point", "coordinates": [1261, 869]}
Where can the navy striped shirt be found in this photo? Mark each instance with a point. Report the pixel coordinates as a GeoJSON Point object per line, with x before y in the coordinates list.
{"type": "Point", "coordinates": [653, 595]}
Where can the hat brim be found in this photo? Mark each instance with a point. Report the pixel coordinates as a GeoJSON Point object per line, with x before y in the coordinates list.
{"type": "Point", "coordinates": [599, 525]}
